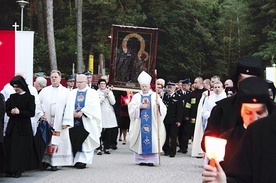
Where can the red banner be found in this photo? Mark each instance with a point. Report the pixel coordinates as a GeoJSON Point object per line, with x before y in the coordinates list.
{"type": "Point", "coordinates": [7, 57]}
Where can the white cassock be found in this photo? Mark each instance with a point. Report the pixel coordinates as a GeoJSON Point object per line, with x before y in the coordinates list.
{"type": "Point", "coordinates": [109, 118]}
{"type": "Point", "coordinates": [53, 101]}
{"type": "Point", "coordinates": [38, 110]}
{"type": "Point", "coordinates": [135, 127]}
{"type": "Point", "coordinates": [205, 106]}
{"type": "Point", "coordinates": [8, 90]}
{"type": "Point", "coordinates": [92, 122]}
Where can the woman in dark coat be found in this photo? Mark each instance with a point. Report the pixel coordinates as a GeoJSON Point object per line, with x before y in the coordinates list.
{"type": "Point", "coordinates": [124, 117]}
{"type": "Point", "coordinates": [20, 107]}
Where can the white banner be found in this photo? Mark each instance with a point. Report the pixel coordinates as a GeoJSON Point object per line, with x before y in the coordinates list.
{"type": "Point", "coordinates": [24, 49]}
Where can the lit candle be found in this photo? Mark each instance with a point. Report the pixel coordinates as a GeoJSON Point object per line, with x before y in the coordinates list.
{"type": "Point", "coordinates": [215, 149]}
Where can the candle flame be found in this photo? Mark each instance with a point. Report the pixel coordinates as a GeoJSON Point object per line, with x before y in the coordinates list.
{"type": "Point", "coordinates": [215, 148]}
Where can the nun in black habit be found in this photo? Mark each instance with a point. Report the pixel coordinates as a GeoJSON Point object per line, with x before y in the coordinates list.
{"type": "Point", "coordinates": [20, 107]}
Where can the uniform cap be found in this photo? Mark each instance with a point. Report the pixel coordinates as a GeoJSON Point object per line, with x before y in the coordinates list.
{"type": "Point", "coordinates": [70, 78]}
{"type": "Point", "coordinates": [170, 84]}
{"type": "Point", "coordinates": [186, 81]}
{"type": "Point", "coordinates": [88, 73]}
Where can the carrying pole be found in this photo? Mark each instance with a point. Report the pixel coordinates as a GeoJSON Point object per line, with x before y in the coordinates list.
{"type": "Point", "coordinates": [157, 117]}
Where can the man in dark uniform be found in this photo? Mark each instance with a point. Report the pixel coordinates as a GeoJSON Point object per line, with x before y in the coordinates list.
{"type": "Point", "coordinates": [70, 81]}
{"type": "Point", "coordinates": [89, 80]}
{"type": "Point", "coordinates": [224, 115]}
{"type": "Point", "coordinates": [183, 131]}
{"type": "Point", "coordinates": [173, 118]}
{"type": "Point", "coordinates": [191, 108]}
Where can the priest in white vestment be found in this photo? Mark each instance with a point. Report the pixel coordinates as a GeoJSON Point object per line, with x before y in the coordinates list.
{"type": "Point", "coordinates": [53, 99]}
{"type": "Point", "coordinates": [83, 109]}
{"type": "Point", "coordinates": [145, 123]}
{"type": "Point", "coordinates": [205, 107]}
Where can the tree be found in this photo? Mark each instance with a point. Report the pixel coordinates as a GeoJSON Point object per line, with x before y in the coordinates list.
{"type": "Point", "coordinates": [261, 29]}
{"type": "Point", "coordinates": [80, 64]}
{"type": "Point", "coordinates": [196, 37]}
{"type": "Point", "coordinates": [50, 34]}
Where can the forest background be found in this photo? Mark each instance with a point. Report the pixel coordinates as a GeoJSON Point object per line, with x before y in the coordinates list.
{"type": "Point", "coordinates": [196, 37]}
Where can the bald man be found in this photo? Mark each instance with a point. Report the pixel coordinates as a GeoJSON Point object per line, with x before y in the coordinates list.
{"type": "Point", "coordinates": [83, 110]}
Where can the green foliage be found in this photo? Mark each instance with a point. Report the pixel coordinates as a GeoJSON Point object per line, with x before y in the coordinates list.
{"type": "Point", "coordinates": [41, 55]}
{"type": "Point", "coordinates": [268, 50]}
{"type": "Point", "coordinates": [196, 37]}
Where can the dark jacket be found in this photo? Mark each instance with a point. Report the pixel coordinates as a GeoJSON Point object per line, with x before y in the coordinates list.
{"type": "Point", "coordinates": [184, 98]}
{"type": "Point", "coordinates": [255, 160]}
{"type": "Point", "coordinates": [26, 105]}
{"type": "Point", "coordinates": [174, 108]}
{"type": "Point", "coordinates": [224, 116]}
{"type": "Point", "coordinates": [233, 137]}
{"type": "Point", "coordinates": [192, 102]}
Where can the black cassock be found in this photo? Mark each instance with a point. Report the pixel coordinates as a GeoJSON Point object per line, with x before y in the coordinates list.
{"type": "Point", "coordinates": [19, 135]}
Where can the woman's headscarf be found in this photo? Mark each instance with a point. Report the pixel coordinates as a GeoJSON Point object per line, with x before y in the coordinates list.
{"type": "Point", "coordinates": [20, 82]}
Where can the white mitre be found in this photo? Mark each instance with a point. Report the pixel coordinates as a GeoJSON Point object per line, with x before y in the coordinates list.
{"type": "Point", "coordinates": [144, 78]}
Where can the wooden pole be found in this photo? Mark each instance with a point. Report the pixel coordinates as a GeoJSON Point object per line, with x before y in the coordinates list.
{"type": "Point", "coordinates": [157, 117]}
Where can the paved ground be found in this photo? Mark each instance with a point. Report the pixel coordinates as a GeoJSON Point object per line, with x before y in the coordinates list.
{"type": "Point", "coordinates": [119, 167]}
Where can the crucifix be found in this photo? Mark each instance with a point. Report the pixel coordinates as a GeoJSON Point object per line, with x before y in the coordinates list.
{"type": "Point", "coordinates": [15, 26]}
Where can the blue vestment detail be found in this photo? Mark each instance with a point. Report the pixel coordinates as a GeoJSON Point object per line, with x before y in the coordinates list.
{"type": "Point", "coordinates": [146, 126]}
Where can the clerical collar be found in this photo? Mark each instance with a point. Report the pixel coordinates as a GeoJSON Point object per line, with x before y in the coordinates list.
{"type": "Point", "coordinates": [55, 86]}
{"type": "Point", "coordinates": [84, 89]}
{"type": "Point", "coordinates": [146, 94]}
{"type": "Point", "coordinates": [21, 93]}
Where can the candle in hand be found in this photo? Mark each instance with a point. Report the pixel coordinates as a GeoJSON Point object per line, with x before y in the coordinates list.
{"type": "Point", "coordinates": [215, 149]}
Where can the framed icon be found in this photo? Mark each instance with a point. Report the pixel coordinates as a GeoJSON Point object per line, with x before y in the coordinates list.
{"type": "Point", "coordinates": [133, 50]}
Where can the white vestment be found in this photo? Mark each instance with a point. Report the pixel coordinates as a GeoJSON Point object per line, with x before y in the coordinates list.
{"type": "Point", "coordinates": [92, 122]}
{"type": "Point", "coordinates": [53, 101]}
{"type": "Point", "coordinates": [135, 123]}
{"type": "Point", "coordinates": [209, 103]}
{"type": "Point", "coordinates": [108, 114]}
{"type": "Point", "coordinates": [206, 102]}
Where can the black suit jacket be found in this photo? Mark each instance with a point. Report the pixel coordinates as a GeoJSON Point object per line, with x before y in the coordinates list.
{"type": "Point", "coordinates": [255, 160]}
{"type": "Point", "coordinates": [174, 108]}
{"type": "Point", "coordinates": [184, 98]}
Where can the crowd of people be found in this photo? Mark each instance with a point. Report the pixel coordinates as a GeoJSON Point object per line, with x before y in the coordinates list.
{"type": "Point", "coordinates": [49, 126]}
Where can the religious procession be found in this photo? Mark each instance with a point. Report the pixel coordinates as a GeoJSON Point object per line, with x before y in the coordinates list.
{"type": "Point", "coordinates": [144, 106]}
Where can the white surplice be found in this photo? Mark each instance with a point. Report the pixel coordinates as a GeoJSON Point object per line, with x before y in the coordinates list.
{"type": "Point", "coordinates": [205, 106]}
{"type": "Point", "coordinates": [92, 122]}
{"type": "Point", "coordinates": [53, 101]}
